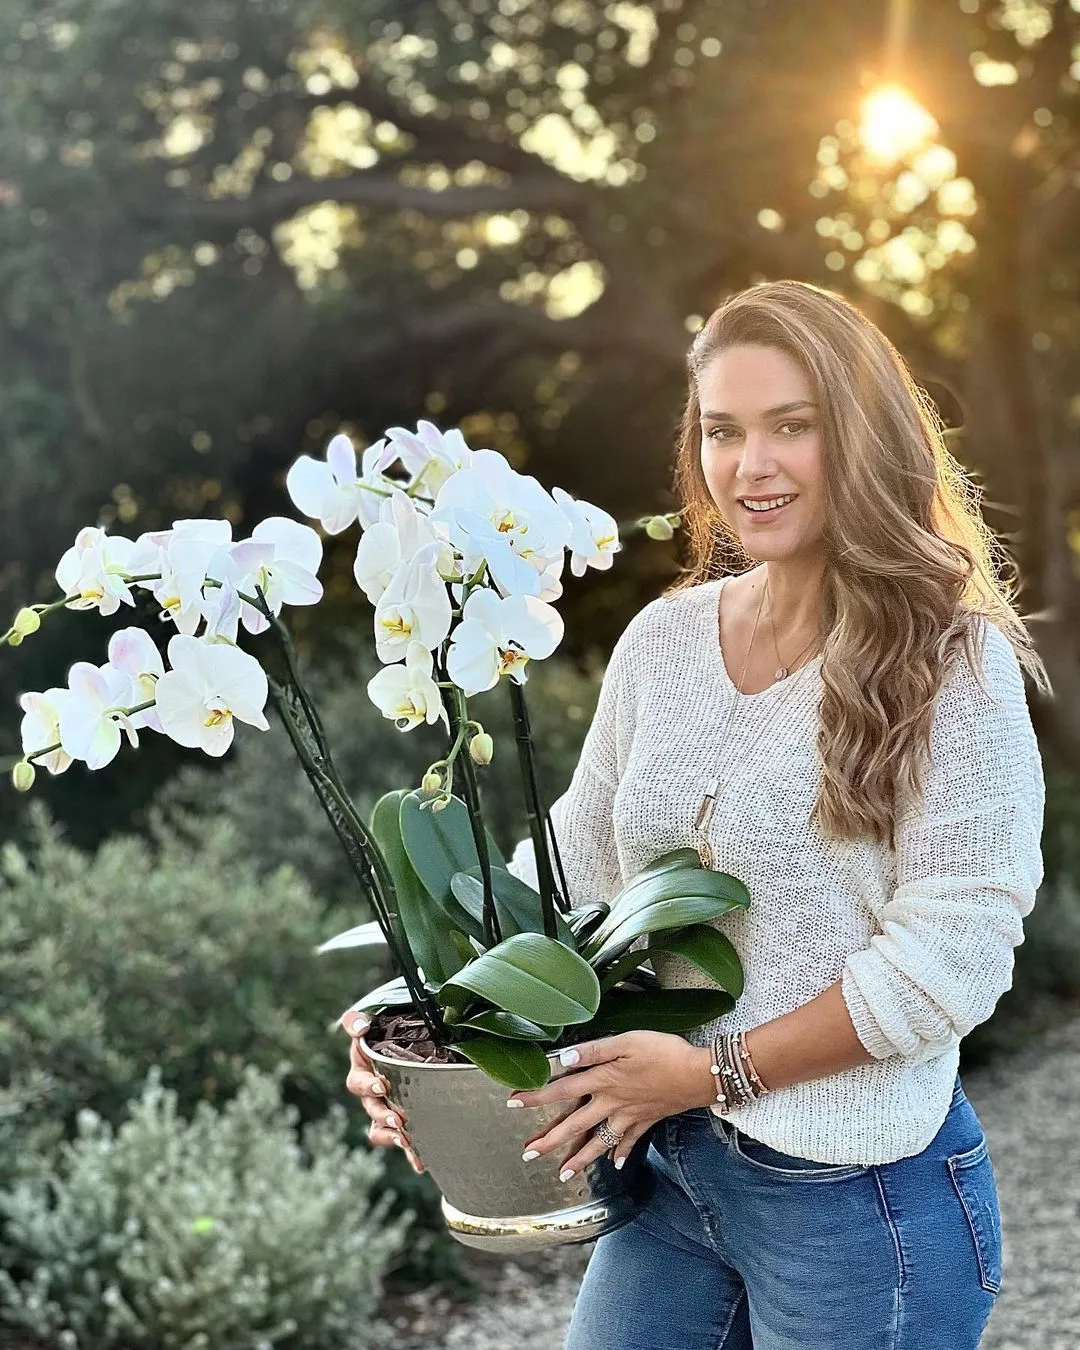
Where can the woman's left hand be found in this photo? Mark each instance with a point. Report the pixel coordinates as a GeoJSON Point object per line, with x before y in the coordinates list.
{"type": "Point", "coordinates": [631, 1081]}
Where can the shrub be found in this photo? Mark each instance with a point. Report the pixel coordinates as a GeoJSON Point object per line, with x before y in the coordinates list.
{"type": "Point", "coordinates": [170, 951]}
{"type": "Point", "coordinates": [216, 1234]}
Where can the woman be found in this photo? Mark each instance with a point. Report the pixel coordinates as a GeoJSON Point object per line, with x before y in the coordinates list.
{"type": "Point", "coordinates": [841, 724]}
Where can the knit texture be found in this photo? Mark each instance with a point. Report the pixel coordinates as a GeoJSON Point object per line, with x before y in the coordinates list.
{"type": "Point", "coordinates": [921, 936]}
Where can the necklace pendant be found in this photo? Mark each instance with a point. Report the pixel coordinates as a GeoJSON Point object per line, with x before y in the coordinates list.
{"type": "Point", "coordinates": [780, 673]}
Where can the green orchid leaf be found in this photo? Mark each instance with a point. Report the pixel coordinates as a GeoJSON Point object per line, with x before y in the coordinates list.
{"type": "Point", "coordinates": [665, 879]}
{"type": "Point", "coordinates": [439, 844]}
{"type": "Point", "coordinates": [393, 994]}
{"type": "Point", "coordinates": [516, 1064]}
{"type": "Point", "coordinates": [674, 1010]}
{"type": "Point", "coordinates": [498, 1023]}
{"type": "Point", "coordinates": [620, 968]}
{"type": "Point", "coordinates": [658, 917]}
{"type": "Point", "coordinates": [666, 862]}
{"type": "Point", "coordinates": [672, 898]}
{"type": "Point", "coordinates": [363, 935]}
{"type": "Point", "coordinates": [533, 976]}
{"type": "Point", "coordinates": [516, 903]}
{"type": "Point", "coordinates": [427, 928]}
{"type": "Point", "coordinates": [708, 949]}
{"type": "Point", "coordinates": [584, 921]}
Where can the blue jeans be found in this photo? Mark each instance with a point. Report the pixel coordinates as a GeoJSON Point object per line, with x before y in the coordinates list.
{"type": "Point", "coordinates": [745, 1248]}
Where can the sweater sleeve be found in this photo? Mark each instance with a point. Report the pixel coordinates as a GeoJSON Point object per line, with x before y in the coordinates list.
{"type": "Point", "coordinates": [968, 865]}
{"type": "Point", "coordinates": [582, 817]}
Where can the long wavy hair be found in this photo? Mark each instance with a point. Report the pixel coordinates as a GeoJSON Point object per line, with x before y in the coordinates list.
{"type": "Point", "coordinates": [911, 569]}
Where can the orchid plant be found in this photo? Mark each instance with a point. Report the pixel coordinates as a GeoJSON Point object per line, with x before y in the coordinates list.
{"type": "Point", "coordinates": [461, 557]}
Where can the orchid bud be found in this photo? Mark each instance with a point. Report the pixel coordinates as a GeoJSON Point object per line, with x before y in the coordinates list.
{"type": "Point", "coordinates": [23, 775]}
{"type": "Point", "coordinates": [440, 803]}
{"type": "Point", "coordinates": [481, 748]}
{"type": "Point", "coordinates": [14, 639]}
{"type": "Point", "coordinates": [659, 528]}
{"type": "Point", "coordinates": [431, 781]}
{"type": "Point", "coordinates": [27, 621]}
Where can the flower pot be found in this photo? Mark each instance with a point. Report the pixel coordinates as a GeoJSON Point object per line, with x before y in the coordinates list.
{"type": "Point", "coordinates": [472, 1144]}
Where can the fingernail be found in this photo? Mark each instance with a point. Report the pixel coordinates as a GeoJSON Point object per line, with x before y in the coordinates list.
{"type": "Point", "coordinates": [530, 1154]}
{"type": "Point", "coordinates": [361, 1025]}
{"type": "Point", "coordinates": [566, 1058]}
{"type": "Point", "coordinates": [566, 1174]}
{"type": "Point", "coordinates": [399, 1141]}
{"type": "Point", "coordinates": [618, 1164]}
{"type": "Point", "coordinates": [378, 1087]}
{"type": "Point", "coordinates": [511, 1102]}
{"type": "Point", "coordinates": [393, 1122]}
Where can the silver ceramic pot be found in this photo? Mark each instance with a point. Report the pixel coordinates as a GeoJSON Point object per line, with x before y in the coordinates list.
{"type": "Point", "coordinates": [471, 1144]}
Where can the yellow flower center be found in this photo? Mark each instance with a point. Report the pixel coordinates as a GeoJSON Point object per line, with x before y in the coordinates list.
{"type": "Point", "coordinates": [511, 658]}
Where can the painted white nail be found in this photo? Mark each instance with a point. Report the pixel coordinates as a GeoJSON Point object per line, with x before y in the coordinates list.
{"type": "Point", "coordinates": [361, 1025]}
{"type": "Point", "coordinates": [566, 1174]}
{"type": "Point", "coordinates": [618, 1164]}
{"type": "Point", "coordinates": [511, 1102]}
{"type": "Point", "coordinates": [568, 1057]}
{"type": "Point", "coordinates": [530, 1154]}
{"type": "Point", "coordinates": [393, 1122]}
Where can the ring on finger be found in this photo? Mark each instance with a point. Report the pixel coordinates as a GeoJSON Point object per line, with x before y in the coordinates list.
{"type": "Point", "coordinates": [610, 1137]}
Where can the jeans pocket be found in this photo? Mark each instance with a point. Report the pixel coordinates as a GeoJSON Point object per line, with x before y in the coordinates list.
{"type": "Point", "coordinates": [786, 1166]}
{"type": "Point", "coordinates": [973, 1177]}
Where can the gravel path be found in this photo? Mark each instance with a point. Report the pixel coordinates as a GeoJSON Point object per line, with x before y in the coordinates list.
{"type": "Point", "coordinates": [1038, 1173]}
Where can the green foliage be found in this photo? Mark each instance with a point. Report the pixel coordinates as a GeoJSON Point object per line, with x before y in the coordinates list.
{"type": "Point", "coordinates": [171, 951]}
{"type": "Point", "coordinates": [204, 1235]}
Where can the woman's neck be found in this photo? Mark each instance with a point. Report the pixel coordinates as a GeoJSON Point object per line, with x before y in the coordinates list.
{"type": "Point", "coordinates": [792, 598]}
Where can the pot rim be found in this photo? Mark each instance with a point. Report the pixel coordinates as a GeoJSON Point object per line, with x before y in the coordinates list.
{"type": "Point", "coordinates": [377, 1056]}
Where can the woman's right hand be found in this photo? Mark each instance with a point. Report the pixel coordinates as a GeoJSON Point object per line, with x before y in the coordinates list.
{"type": "Point", "coordinates": [388, 1123]}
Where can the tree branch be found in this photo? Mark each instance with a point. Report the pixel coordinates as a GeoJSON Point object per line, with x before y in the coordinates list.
{"type": "Point", "coordinates": [271, 202]}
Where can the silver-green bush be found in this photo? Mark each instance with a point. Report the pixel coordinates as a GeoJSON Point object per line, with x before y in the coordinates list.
{"type": "Point", "coordinates": [222, 1233]}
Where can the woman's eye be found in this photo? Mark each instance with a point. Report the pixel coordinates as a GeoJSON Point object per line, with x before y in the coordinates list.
{"type": "Point", "coordinates": [711, 434]}
{"type": "Point", "coordinates": [800, 425]}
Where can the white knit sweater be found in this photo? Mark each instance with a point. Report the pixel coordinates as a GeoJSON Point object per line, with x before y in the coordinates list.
{"type": "Point", "coordinates": [922, 936]}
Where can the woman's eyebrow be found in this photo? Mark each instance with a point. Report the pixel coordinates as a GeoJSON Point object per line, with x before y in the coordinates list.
{"type": "Point", "coordinates": [769, 412]}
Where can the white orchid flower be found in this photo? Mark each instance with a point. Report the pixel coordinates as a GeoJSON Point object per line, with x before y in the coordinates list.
{"type": "Point", "coordinates": [429, 455]}
{"type": "Point", "coordinates": [221, 608]}
{"type": "Point", "coordinates": [281, 559]}
{"type": "Point", "coordinates": [183, 558]}
{"type": "Point", "coordinates": [478, 541]}
{"type": "Point", "coordinates": [395, 537]}
{"type": "Point", "coordinates": [407, 693]}
{"type": "Point", "coordinates": [41, 727]}
{"type": "Point", "coordinates": [492, 512]}
{"type": "Point", "coordinates": [91, 718]}
{"type": "Point", "coordinates": [332, 492]}
{"type": "Point", "coordinates": [414, 607]}
{"type": "Point", "coordinates": [209, 685]}
{"type": "Point", "coordinates": [95, 571]}
{"type": "Point", "coordinates": [498, 636]}
{"type": "Point", "coordinates": [132, 652]}
{"type": "Point", "coordinates": [594, 536]}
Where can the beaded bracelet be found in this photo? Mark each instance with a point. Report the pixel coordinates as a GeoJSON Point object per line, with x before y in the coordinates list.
{"type": "Point", "coordinates": [737, 1081]}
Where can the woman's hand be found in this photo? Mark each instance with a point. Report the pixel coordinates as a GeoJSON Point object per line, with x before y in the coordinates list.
{"type": "Point", "coordinates": [631, 1081]}
{"type": "Point", "coordinates": [388, 1120]}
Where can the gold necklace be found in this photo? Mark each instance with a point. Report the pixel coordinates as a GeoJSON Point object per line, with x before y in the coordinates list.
{"type": "Point", "coordinates": [708, 800]}
{"type": "Point", "coordinates": [781, 672]}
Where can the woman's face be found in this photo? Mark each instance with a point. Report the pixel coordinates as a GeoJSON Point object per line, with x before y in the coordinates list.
{"type": "Point", "coordinates": [761, 437]}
